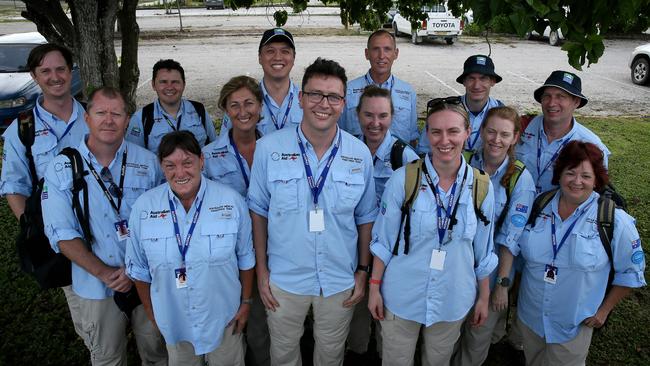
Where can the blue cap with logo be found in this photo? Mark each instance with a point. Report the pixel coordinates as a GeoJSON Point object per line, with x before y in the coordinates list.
{"type": "Point", "coordinates": [567, 81]}
{"type": "Point", "coordinates": [480, 64]}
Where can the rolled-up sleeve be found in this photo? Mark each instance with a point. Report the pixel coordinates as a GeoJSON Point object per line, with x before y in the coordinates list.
{"type": "Point", "coordinates": [484, 257]}
{"type": "Point", "coordinates": [135, 259]}
{"type": "Point", "coordinates": [628, 256]}
{"type": "Point", "coordinates": [366, 210]}
{"type": "Point", "coordinates": [15, 177]}
{"type": "Point", "coordinates": [244, 246]}
{"type": "Point", "coordinates": [387, 225]}
{"type": "Point", "coordinates": [258, 190]}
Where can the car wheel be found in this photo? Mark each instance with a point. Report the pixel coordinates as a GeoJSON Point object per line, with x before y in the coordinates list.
{"type": "Point", "coordinates": [415, 39]}
{"type": "Point", "coordinates": [528, 35]}
{"type": "Point", "coordinates": [553, 38]}
{"type": "Point", "coordinates": [449, 41]}
{"type": "Point", "coordinates": [640, 72]}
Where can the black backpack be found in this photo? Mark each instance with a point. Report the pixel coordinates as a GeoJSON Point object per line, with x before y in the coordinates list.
{"type": "Point", "coordinates": [148, 121]}
{"type": "Point", "coordinates": [50, 269]}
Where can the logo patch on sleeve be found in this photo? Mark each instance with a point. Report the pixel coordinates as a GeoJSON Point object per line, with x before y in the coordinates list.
{"type": "Point", "coordinates": [521, 208]}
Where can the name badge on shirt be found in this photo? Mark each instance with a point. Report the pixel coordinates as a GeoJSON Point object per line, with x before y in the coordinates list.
{"type": "Point", "coordinates": [316, 220]}
{"type": "Point", "coordinates": [181, 277]}
{"type": "Point", "coordinates": [550, 274]}
{"type": "Point", "coordinates": [121, 230]}
{"type": "Point", "coordinates": [438, 259]}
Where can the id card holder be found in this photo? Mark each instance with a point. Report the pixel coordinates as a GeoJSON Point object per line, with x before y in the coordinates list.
{"type": "Point", "coordinates": [316, 220]}
{"type": "Point", "coordinates": [121, 230]}
{"type": "Point", "coordinates": [437, 259]}
{"type": "Point", "coordinates": [181, 277]}
{"type": "Point", "coordinates": [550, 274]}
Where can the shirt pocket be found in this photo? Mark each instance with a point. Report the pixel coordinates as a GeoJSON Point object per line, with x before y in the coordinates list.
{"type": "Point", "coordinates": [222, 234]}
{"type": "Point", "coordinates": [154, 239]}
{"type": "Point", "coordinates": [466, 221]}
{"type": "Point", "coordinates": [588, 252]}
{"type": "Point", "coordinates": [349, 188]}
{"type": "Point", "coordinates": [537, 248]}
{"type": "Point", "coordinates": [195, 127]}
{"type": "Point", "coordinates": [283, 184]}
{"type": "Point", "coordinates": [43, 151]}
{"type": "Point", "coordinates": [134, 186]}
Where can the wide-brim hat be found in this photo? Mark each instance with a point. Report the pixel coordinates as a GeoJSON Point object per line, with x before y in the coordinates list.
{"type": "Point", "coordinates": [480, 64]}
{"type": "Point", "coordinates": [277, 35]}
{"type": "Point", "coordinates": [567, 81]}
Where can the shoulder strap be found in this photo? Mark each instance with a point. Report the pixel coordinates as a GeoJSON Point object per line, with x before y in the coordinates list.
{"type": "Point", "coordinates": [411, 190]}
{"type": "Point", "coordinates": [479, 192]}
{"type": "Point", "coordinates": [147, 123]}
{"type": "Point", "coordinates": [79, 185]}
{"type": "Point", "coordinates": [512, 183]}
{"type": "Point", "coordinates": [200, 110]}
{"type": "Point", "coordinates": [26, 135]}
{"type": "Point", "coordinates": [396, 153]}
{"type": "Point", "coordinates": [468, 155]}
{"type": "Point", "coordinates": [540, 202]}
{"type": "Point", "coordinates": [605, 219]}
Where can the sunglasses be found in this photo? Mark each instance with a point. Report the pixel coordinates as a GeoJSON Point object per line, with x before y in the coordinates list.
{"type": "Point", "coordinates": [107, 177]}
{"type": "Point", "coordinates": [438, 103]}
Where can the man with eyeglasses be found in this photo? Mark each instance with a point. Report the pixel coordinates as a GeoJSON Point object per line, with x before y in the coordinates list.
{"type": "Point", "coordinates": [381, 52]}
{"type": "Point", "coordinates": [118, 172]}
{"type": "Point", "coordinates": [281, 106]}
{"type": "Point", "coordinates": [478, 78]}
{"type": "Point", "coordinates": [312, 201]}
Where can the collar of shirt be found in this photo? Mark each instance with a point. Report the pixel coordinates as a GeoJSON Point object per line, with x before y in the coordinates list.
{"type": "Point", "coordinates": [160, 111]}
{"type": "Point", "coordinates": [574, 128]}
{"type": "Point", "coordinates": [501, 170]}
{"type": "Point", "coordinates": [388, 84]}
{"type": "Point", "coordinates": [292, 88]}
{"type": "Point", "coordinates": [556, 201]}
{"type": "Point", "coordinates": [435, 178]}
{"type": "Point", "coordinates": [86, 153]}
{"type": "Point", "coordinates": [180, 211]}
{"type": "Point", "coordinates": [51, 119]}
{"type": "Point", "coordinates": [309, 149]}
{"type": "Point", "coordinates": [384, 149]}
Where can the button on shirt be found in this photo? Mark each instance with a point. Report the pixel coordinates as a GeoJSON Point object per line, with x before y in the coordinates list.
{"type": "Point", "coordinates": [405, 117]}
{"type": "Point", "coordinates": [50, 138]}
{"type": "Point", "coordinates": [303, 262]}
{"type": "Point", "coordinates": [521, 201]}
{"type": "Point", "coordinates": [220, 247]}
{"type": "Point", "coordinates": [142, 173]}
{"type": "Point", "coordinates": [270, 110]}
{"type": "Point", "coordinates": [555, 311]}
{"type": "Point", "coordinates": [163, 121]}
{"type": "Point", "coordinates": [411, 289]}
{"type": "Point", "coordinates": [527, 150]}
{"type": "Point", "coordinates": [383, 169]}
{"type": "Point", "coordinates": [473, 142]}
{"type": "Point", "coordinates": [221, 165]}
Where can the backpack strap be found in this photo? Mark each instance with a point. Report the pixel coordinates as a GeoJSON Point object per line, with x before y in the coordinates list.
{"type": "Point", "coordinates": [27, 135]}
{"type": "Point", "coordinates": [605, 219]}
{"type": "Point", "coordinates": [147, 123]}
{"type": "Point", "coordinates": [79, 185]}
{"type": "Point", "coordinates": [396, 153]}
{"type": "Point", "coordinates": [468, 155]}
{"type": "Point", "coordinates": [538, 205]}
{"type": "Point", "coordinates": [512, 183]}
{"type": "Point", "coordinates": [200, 110]}
{"type": "Point", "coordinates": [479, 192]}
{"type": "Point", "coordinates": [411, 190]}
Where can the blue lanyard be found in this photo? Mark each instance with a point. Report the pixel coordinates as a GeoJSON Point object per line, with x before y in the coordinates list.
{"type": "Point", "coordinates": [553, 158]}
{"type": "Point", "coordinates": [286, 112]}
{"type": "Point", "coordinates": [317, 187]}
{"type": "Point", "coordinates": [239, 159]}
{"type": "Point", "coordinates": [472, 142]}
{"type": "Point", "coordinates": [556, 247]}
{"type": "Point", "coordinates": [443, 221]}
{"type": "Point", "coordinates": [38, 115]}
{"type": "Point", "coordinates": [369, 81]}
{"type": "Point", "coordinates": [169, 122]}
{"type": "Point", "coordinates": [183, 246]}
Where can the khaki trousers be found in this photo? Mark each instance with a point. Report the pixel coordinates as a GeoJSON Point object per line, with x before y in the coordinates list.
{"type": "Point", "coordinates": [103, 328]}
{"type": "Point", "coordinates": [400, 337]}
{"type": "Point", "coordinates": [229, 353]}
{"type": "Point", "coordinates": [474, 343]}
{"type": "Point", "coordinates": [73, 304]}
{"type": "Point", "coordinates": [540, 353]}
{"type": "Point", "coordinates": [331, 325]}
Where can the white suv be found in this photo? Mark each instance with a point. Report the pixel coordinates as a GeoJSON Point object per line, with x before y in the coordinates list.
{"type": "Point", "coordinates": [639, 65]}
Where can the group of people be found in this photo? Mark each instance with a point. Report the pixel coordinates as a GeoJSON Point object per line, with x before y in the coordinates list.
{"type": "Point", "coordinates": [313, 200]}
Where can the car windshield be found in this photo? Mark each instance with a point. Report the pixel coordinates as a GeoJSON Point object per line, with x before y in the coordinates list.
{"type": "Point", "coordinates": [13, 57]}
{"type": "Point", "coordinates": [434, 9]}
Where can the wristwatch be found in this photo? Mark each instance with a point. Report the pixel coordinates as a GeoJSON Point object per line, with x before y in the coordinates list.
{"type": "Point", "coordinates": [363, 268]}
{"type": "Point", "coordinates": [503, 282]}
{"type": "Point", "coordinates": [248, 301]}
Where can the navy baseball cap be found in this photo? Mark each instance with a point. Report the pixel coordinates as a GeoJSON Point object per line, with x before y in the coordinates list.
{"type": "Point", "coordinates": [567, 81]}
{"type": "Point", "coordinates": [277, 35]}
{"type": "Point", "coordinates": [480, 64]}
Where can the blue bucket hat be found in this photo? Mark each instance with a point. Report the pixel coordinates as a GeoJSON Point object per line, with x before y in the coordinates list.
{"type": "Point", "coordinates": [480, 64]}
{"type": "Point", "coordinates": [567, 81]}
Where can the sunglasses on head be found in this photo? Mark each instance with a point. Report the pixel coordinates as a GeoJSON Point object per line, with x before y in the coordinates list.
{"type": "Point", "coordinates": [437, 103]}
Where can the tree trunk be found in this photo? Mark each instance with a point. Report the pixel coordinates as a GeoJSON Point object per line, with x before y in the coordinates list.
{"type": "Point", "coordinates": [129, 71]}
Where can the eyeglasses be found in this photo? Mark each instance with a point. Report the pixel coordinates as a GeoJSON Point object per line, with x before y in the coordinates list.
{"type": "Point", "coordinates": [107, 177]}
{"type": "Point", "coordinates": [316, 98]}
{"type": "Point", "coordinates": [437, 103]}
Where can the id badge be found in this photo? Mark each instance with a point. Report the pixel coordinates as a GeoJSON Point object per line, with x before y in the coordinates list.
{"type": "Point", "coordinates": [550, 274]}
{"type": "Point", "coordinates": [438, 259]}
{"type": "Point", "coordinates": [316, 220]}
{"type": "Point", "coordinates": [181, 277]}
{"type": "Point", "coordinates": [121, 230]}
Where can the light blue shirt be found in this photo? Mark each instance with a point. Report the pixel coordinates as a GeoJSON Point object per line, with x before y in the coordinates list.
{"type": "Point", "coordinates": [220, 247]}
{"type": "Point", "coordinates": [271, 111]}
{"type": "Point", "coordinates": [412, 289]}
{"type": "Point", "coordinates": [475, 121]}
{"type": "Point", "coordinates": [50, 138]}
{"type": "Point", "coordinates": [527, 150]}
{"type": "Point", "coordinates": [300, 261]}
{"type": "Point", "coordinates": [521, 202]}
{"type": "Point", "coordinates": [383, 169]}
{"type": "Point", "coordinates": [142, 173]}
{"type": "Point", "coordinates": [555, 312]}
{"type": "Point", "coordinates": [221, 165]}
{"type": "Point", "coordinates": [405, 118]}
{"type": "Point", "coordinates": [163, 122]}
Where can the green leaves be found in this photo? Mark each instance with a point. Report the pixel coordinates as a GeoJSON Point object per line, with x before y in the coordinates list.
{"type": "Point", "coordinates": [280, 17]}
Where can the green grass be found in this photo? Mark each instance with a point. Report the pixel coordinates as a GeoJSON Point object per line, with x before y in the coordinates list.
{"type": "Point", "coordinates": [36, 328]}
